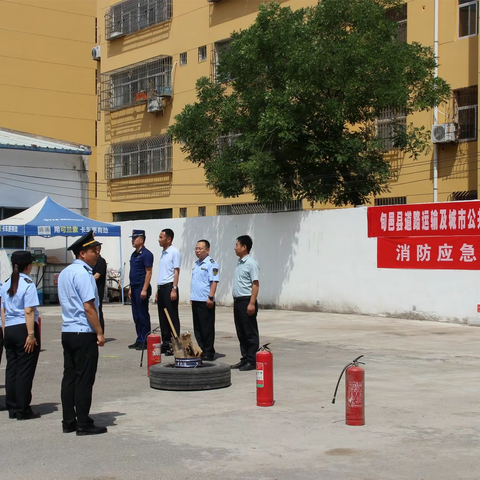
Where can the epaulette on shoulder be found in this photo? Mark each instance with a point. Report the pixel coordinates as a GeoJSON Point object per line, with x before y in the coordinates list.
{"type": "Point", "coordinates": [89, 271]}
{"type": "Point", "coordinates": [212, 260]}
{"type": "Point", "coordinates": [27, 280]}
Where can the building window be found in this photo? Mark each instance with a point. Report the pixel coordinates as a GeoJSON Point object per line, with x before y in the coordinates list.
{"type": "Point", "coordinates": [136, 84]}
{"type": "Point", "coordinates": [202, 211]}
{"type": "Point", "coordinates": [141, 157]}
{"type": "Point", "coordinates": [143, 215]}
{"type": "Point", "coordinates": [390, 201]}
{"type": "Point", "coordinates": [218, 49]}
{"type": "Point", "coordinates": [467, 195]}
{"type": "Point", "coordinates": [399, 14]}
{"type": "Point", "coordinates": [390, 123]}
{"type": "Point", "coordinates": [202, 53]}
{"type": "Point", "coordinates": [10, 242]}
{"type": "Point", "coordinates": [252, 208]}
{"type": "Point", "coordinates": [466, 105]}
{"type": "Point", "coordinates": [183, 212]}
{"type": "Point", "coordinates": [130, 16]}
{"type": "Point", "coordinates": [183, 59]}
{"type": "Point", "coordinates": [467, 18]}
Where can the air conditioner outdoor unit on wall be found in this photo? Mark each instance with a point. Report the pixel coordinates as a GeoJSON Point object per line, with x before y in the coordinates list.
{"type": "Point", "coordinates": [154, 105]}
{"type": "Point", "coordinates": [443, 133]}
{"type": "Point", "coordinates": [96, 53]}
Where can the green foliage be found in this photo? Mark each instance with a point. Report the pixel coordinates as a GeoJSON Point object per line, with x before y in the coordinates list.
{"type": "Point", "coordinates": [300, 90]}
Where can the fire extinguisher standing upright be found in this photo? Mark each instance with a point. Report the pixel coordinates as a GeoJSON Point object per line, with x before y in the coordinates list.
{"type": "Point", "coordinates": [265, 377]}
{"type": "Point", "coordinates": [354, 392]}
{"type": "Point", "coordinates": [153, 350]}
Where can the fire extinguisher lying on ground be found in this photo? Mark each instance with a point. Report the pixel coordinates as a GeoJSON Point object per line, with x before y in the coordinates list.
{"type": "Point", "coordinates": [154, 343]}
{"type": "Point", "coordinates": [354, 393]}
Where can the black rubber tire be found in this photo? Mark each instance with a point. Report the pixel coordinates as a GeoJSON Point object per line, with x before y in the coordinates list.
{"type": "Point", "coordinates": [211, 375]}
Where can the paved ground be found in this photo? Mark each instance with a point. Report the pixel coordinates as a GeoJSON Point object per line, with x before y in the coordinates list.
{"type": "Point", "coordinates": [422, 393]}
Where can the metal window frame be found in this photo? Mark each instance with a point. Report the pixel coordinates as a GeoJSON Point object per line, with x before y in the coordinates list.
{"type": "Point", "coordinates": [183, 59]}
{"type": "Point", "coordinates": [468, 5]}
{"type": "Point", "coordinates": [202, 211]}
{"type": "Point", "coordinates": [130, 16]}
{"type": "Point", "coordinates": [149, 156]}
{"type": "Point", "coordinates": [217, 48]}
{"type": "Point", "coordinates": [469, 106]}
{"type": "Point", "coordinates": [401, 200]}
{"type": "Point", "coordinates": [256, 208]}
{"type": "Point", "coordinates": [202, 54]}
{"type": "Point", "coordinates": [134, 84]}
{"type": "Point", "coordinates": [384, 124]}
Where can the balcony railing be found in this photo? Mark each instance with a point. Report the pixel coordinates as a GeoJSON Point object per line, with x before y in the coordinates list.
{"type": "Point", "coordinates": [147, 156]}
{"type": "Point", "coordinates": [131, 16]}
{"type": "Point", "coordinates": [134, 84]}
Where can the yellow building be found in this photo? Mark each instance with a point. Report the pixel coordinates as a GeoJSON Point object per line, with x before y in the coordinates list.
{"type": "Point", "coordinates": [153, 51]}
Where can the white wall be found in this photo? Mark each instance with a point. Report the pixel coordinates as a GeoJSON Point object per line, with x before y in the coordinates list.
{"type": "Point", "coordinates": [320, 260]}
{"type": "Point", "coordinates": [28, 176]}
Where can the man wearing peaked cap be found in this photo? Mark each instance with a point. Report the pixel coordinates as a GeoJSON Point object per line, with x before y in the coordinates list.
{"type": "Point", "coordinates": [81, 336]}
{"type": "Point", "coordinates": [141, 263]}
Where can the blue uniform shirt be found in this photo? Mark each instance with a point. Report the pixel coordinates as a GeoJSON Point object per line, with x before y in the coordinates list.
{"type": "Point", "coordinates": [204, 273]}
{"type": "Point", "coordinates": [76, 286]}
{"type": "Point", "coordinates": [25, 297]}
{"type": "Point", "coordinates": [169, 261]}
{"type": "Point", "coordinates": [138, 262]}
{"type": "Point", "coordinates": [245, 274]}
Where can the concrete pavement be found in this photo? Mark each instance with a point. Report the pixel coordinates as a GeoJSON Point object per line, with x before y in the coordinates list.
{"type": "Point", "coordinates": [422, 407]}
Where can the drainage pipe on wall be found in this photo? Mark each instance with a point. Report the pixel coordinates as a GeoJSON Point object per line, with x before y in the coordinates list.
{"type": "Point", "coordinates": [435, 109]}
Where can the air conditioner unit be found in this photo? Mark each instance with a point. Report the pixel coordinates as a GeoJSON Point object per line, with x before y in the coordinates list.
{"type": "Point", "coordinates": [115, 35]}
{"type": "Point", "coordinates": [96, 53]}
{"type": "Point", "coordinates": [154, 105]}
{"type": "Point", "coordinates": [443, 133]}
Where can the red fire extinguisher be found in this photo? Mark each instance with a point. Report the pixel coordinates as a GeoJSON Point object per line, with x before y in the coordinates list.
{"type": "Point", "coordinates": [265, 377]}
{"type": "Point", "coordinates": [354, 393]}
{"type": "Point", "coordinates": [154, 343]}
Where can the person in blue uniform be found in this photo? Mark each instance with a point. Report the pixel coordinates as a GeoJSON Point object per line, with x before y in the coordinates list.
{"type": "Point", "coordinates": [21, 334]}
{"type": "Point", "coordinates": [81, 336]}
{"type": "Point", "coordinates": [205, 278]}
{"type": "Point", "coordinates": [245, 306]}
{"type": "Point", "coordinates": [141, 264]}
{"type": "Point", "coordinates": [167, 289]}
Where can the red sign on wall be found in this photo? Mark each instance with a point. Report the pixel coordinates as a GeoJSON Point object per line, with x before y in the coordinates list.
{"type": "Point", "coordinates": [452, 253]}
{"type": "Point", "coordinates": [425, 220]}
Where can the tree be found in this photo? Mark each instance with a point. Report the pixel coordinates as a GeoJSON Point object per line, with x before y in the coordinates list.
{"type": "Point", "coordinates": [291, 114]}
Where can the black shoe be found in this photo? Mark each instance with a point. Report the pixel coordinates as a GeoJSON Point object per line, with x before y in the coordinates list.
{"type": "Point", "coordinates": [90, 430]}
{"type": "Point", "coordinates": [140, 347]}
{"type": "Point", "coordinates": [133, 346]}
{"type": "Point", "coordinates": [247, 367]}
{"type": "Point", "coordinates": [69, 428]}
{"type": "Point", "coordinates": [168, 353]}
{"type": "Point", "coordinates": [12, 415]}
{"type": "Point", "coordinates": [208, 358]}
{"type": "Point", "coordinates": [240, 364]}
{"type": "Point", "coordinates": [28, 416]}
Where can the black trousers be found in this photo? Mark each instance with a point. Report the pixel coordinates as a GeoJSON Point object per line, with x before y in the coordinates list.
{"type": "Point", "coordinates": [204, 326]}
{"type": "Point", "coordinates": [164, 301]}
{"type": "Point", "coordinates": [101, 294]}
{"type": "Point", "coordinates": [20, 370]}
{"type": "Point", "coordinates": [80, 356]}
{"type": "Point", "coordinates": [1, 344]}
{"type": "Point", "coordinates": [247, 329]}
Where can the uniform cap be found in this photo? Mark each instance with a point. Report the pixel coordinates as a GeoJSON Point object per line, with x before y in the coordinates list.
{"type": "Point", "coordinates": [87, 241]}
{"type": "Point", "coordinates": [22, 257]}
{"type": "Point", "coordinates": [137, 233]}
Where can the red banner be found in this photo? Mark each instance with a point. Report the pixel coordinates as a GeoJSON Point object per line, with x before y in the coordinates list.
{"type": "Point", "coordinates": [449, 253]}
{"type": "Point", "coordinates": [425, 220]}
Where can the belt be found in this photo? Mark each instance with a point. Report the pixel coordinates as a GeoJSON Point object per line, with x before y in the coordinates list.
{"type": "Point", "coordinates": [241, 299]}
{"type": "Point", "coordinates": [165, 285]}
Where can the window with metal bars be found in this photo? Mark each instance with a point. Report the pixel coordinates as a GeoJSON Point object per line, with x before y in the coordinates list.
{"type": "Point", "coordinates": [202, 211]}
{"type": "Point", "coordinates": [252, 208]}
{"type": "Point", "coordinates": [467, 18]}
{"type": "Point", "coordinates": [399, 14]}
{"type": "Point", "coordinates": [390, 201]}
{"type": "Point", "coordinates": [131, 16]}
{"type": "Point", "coordinates": [183, 212]}
{"type": "Point", "coordinates": [218, 49]}
{"type": "Point", "coordinates": [202, 53]}
{"type": "Point", "coordinates": [183, 59]}
{"type": "Point", "coordinates": [141, 157]}
{"type": "Point", "coordinates": [143, 215]}
{"type": "Point", "coordinates": [466, 195]}
{"type": "Point", "coordinates": [135, 84]}
{"type": "Point", "coordinates": [390, 123]}
{"type": "Point", "coordinates": [466, 106]}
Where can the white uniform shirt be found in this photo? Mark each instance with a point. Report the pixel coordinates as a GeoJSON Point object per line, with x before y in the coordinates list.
{"type": "Point", "coordinates": [169, 260]}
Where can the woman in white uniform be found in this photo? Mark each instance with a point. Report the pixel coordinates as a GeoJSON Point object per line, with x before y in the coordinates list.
{"type": "Point", "coordinates": [20, 331]}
